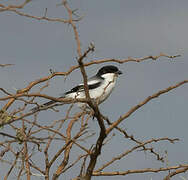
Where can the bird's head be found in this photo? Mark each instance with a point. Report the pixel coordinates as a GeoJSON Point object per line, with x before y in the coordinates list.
{"type": "Point", "coordinates": [109, 70]}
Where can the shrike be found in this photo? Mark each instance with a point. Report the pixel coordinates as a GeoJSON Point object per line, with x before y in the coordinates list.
{"type": "Point", "coordinates": [100, 87]}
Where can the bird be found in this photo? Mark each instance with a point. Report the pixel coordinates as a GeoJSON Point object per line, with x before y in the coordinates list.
{"type": "Point", "coordinates": [100, 87]}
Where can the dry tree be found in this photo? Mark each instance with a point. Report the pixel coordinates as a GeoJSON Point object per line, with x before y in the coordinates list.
{"type": "Point", "coordinates": [27, 144]}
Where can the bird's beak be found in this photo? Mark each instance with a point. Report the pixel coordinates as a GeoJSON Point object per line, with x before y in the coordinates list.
{"type": "Point", "coordinates": [119, 72]}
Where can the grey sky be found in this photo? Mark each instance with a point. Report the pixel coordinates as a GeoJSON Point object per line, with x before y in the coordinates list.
{"type": "Point", "coordinates": [119, 29]}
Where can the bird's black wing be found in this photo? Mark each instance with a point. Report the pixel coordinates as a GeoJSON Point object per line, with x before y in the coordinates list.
{"type": "Point", "coordinates": [80, 87]}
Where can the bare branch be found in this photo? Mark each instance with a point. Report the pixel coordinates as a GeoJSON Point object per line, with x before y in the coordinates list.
{"type": "Point", "coordinates": [4, 65]}
{"type": "Point", "coordinates": [133, 149]}
{"type": "Point", "coordinates": [149, 98]}
{"type": "Point", "coordinates": [136, 171]}
{"type": "Point", "coordinates": [178, 171]}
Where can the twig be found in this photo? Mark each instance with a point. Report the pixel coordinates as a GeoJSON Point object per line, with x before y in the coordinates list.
{"type": "Point", "coordinates": [136, 171]}
{"type": "Point", "coordinates": [4, 65]}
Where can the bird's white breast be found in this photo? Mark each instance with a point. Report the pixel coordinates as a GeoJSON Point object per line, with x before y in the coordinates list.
{"type": "Point", "coordinates": [102, 92]}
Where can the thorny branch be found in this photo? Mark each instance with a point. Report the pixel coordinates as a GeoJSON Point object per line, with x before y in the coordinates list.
{"type": "Point", "coordinates": [133, 149]}
{"type": "Point", "coordinates": [149, 98]}
{"type": "Point", "coordinates": [123, 173]}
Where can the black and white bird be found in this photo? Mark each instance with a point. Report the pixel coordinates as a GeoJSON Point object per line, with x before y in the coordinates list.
{"type": "Point", "coordinates": [100, 87]}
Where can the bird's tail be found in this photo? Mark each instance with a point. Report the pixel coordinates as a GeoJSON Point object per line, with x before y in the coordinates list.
{"type": "Point", "coordinates": [45, 105]}
{"type": "Point", "coordinates": [35, 109]}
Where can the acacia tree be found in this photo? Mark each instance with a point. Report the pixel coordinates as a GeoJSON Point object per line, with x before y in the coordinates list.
{"type": "Point", "coordinates": [30, 143]}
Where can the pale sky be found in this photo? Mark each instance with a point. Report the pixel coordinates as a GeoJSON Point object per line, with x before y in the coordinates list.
{"type": "Point", "coordinates": [119, 29]}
